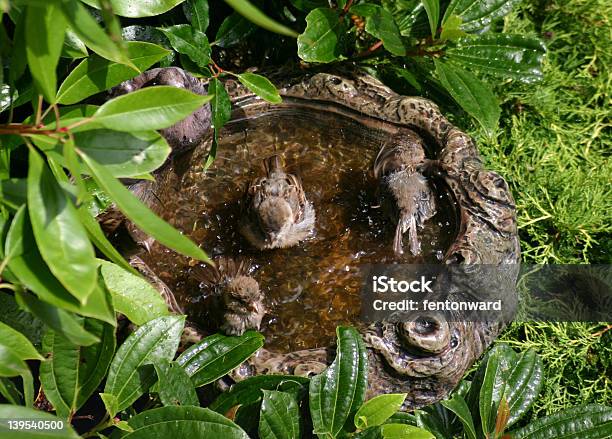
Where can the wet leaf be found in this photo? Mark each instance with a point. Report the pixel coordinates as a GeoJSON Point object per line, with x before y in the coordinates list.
{"type": "Point", "coordinates": [149, 108]}
{"type": "Point", "coordinates": [233, 29]}
{"type": "Point", "coordinates": [380, 24]}
{"type": "Point", "coordinates": [279, 416]}
{"type": "Point", "coordinates": [459, 407]}
{"type": "Point", "coordinates": [524, 384]}
{"type": "Point", "coordinates": [131, 372]}
{"type": "Point", "coordinates": [220, 104]}
{"type": "Point", "coordinates": [474, 96]}
{"type": "Point", "coordinates": [137, 9]}
{"type": "Point", "coordinates": [452, 29]}
{"type": "Point", "coordinates": [261, 86]}
{"type": "Point", "coordinates": [18, 343]}
{"type": "Point", "coordinates": [197, 13]}
{"type": "Point", "coordinates": [62, 240]}
{"type": "Point", "coordinates": [217, 355]}
{"type": "Point", "coordinates": [403, 431]}
{"type": "Point", "coordinates": [174, 385]}
{"type": "Point", "coordinates": [432, 7]}
{"type": "Point", "coordinates": [183, 422]}
{"type": "Point", "coordinates": [96, 74]}
{"type": "Point", "coordinates": [189, 41]}
{"type": "Point", "coordinates": [322, 41]}
{"type": "Point", "coordinates": [144, 219]}
{"type": "Point", "coordinates": [250, 390]}
{"type": "Point", "coordinates": [378, 409]}
{"type": "Point", "coordinates": [503, 55]}
{"type": "Point", "coordinates": [45, 28]}
{"type": "Point", "coordinates": [15, 412]}
{"type": "Point", "coordinates": [591, 421]}
{"type": "Point", "coordinates": [478, 15]}
{"type": "Point", "coordinates": [249, 11]}
{"type": "Point", "coordinates": [133, 296]}
{"type": "Point", "coordinates": [337, 393]}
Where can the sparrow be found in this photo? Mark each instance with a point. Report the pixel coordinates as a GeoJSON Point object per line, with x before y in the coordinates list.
{"type": "Point", "coordinates": [404, 192]}
{"type": "Point", "coordinates": [240, 299]}
{"type": "Point", "coordinates": [277, 213]}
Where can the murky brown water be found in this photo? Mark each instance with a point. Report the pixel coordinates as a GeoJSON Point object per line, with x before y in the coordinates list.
{"type": "Point", "coordinates": [313, 287]}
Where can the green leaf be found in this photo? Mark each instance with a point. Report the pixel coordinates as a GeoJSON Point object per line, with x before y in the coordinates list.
{"type": "Point", "coordinates": [174, 385]}
{"type": "Point", "coordinates": [234, 29]}
{"type": "Point", "coordinates": [478, 15]}
{"type": "Point", "coordinates": [136, 211]}
{"type": "Point", "coordinates": [459, 407]}
{"type": "Point", "coordinates": [492, 389]}
{"type": "Point", "coordinates": [432, 7]}
{"type": "Point", "coordinates": [336, 394]}
{"type": "Point", "coordinates": [73, 46]}
{"type": "Point", "coordinates": [95, 74]}
{"type": "Point", "coordinates": [249, 391]}
{"type": "Point", "coordinates": [591, 421]}
{"type": "Point", "coordinates": [182, 422]}
{"type": "Point", "coordinates": [220, 104]}
{"type": "Point", "coordinates": [132, 295]}
{"type": "Point", "coordinates": [45, 28]}
{"type": "Point", "coordinates": [524, 384]}
{"type": "Point", "coordinates": [137, 9]}
{"type": "Point", "coordinates": [503, 55]}
{"type": "Point", "coordinates": [111, 403]}
{"type": "Point", "coordinates": [403, 431]}
{"type": "Point", "coordinates": [11, 364]}
{"type": "Point", "coordinates": [474, 96]}
{"type": "Point", "coordinates": [90, 32]}
{"type": "Point", "coordinates": [246, 9]}
{"type": "Point", "coordinates": [14, 412]}
{"type": "Point", "coordinates": [149, 108]}
{"type": "Point", "coordinates": [217, 355]}
{"type": "Point", "coordinates": [322, 39]}
{"type": "Point", "coordinates": [95, 359]}
{"type": "Point", "coordinates": [378, 409]}
{"type": "Point", "coordinates": [28, 265]}
{"type": "Point", "coordinates": [261, 86]}
{"type": "Point", "coordinates": [279, 416]}
{"type": "Point", "coordinates": [451, 29]}
{"type": "Point", "coordinates": [9, 391]}
{"type": "Point", "coordinates": [131, 372]}
{"type": "Point", "coordinates": [59, 320]}
{"type": "Point", "coordinates": [380, 24]}
{"type": "Point", "coordinates": [61, 238]}
{"type": "Point", "coordinates": [189, 41]}
{"type": "Point", "coordinates": [197, 13]}
{"type": "Point", "coordinates": [18, 343]}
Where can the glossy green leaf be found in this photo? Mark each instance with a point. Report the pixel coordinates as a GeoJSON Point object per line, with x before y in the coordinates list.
{"type": "Point", "coordinates": [234, 29]}
{"type": "Point", "coordinates": [378, 409]}
{"type": "Point", "coordinates": [18, 57]}
{"type": "Point", "coordinates": [73, 46]}
{"type": "Point", "coordinates": [217, 355]}
{"type": "Point", "coordinates": [131, 372]}
{"type": "Point", "coordinates": [478, 15]}
{"type": "Point", "coordinates": [91, 33]}
{"type": "Point", "coordinates": [459, 407]}
{"type": "Point", "coordinates": [524, 384]}
{"type": "Point", "coordinates": [591, 421]}
{"type": "Point", "coordinates": [11, 364]}
{"type": "Point", "coordinates": [14, 412]}
{"type": "Point", "coordinates": [220, 104]}
{"type": "Point", "coordinates": [380, 24]}
{"type": "Point", "coordinates": [337, 393]}
{"type": "Point", "coordinates": [43, 53]}
{"type": "Point", "coordinates": [18, 343]}
{"type": "Point", "coordinates": [144, 219]}
{"type": "Point", "coordinates": [261, 86]}
{"type": "Point", "coordinates": [149, 108]}
{"type": "Point", "coordinates": [279, 416]}
{"type": "Point", "coordinates": [403, 431]}
{"type": "Point", "coordinates": [249, 11]}
{"type": "Point", "coordinates": [369, 433]}
{"type": "Point", "coordinates": [493, 388]}
{"type": "Point", "coordinates": [174, 385]}
{"type": "Point", "coordinates": [136, 9]}
{"type": "Point", "coordinates": [189, 41]}
{"type": "Point", "coordinates": [9, 391]}
{"type": "Point", "coordinates": [432, 7]}
{"type": "Point", "coordinates": [61, 238]}
{"type": "Point", "coordinates": [133, 296]}
{"type": "Point", "coordinates": [437, 420]}
{"type": "Point", "coordinates": [451, 29]}
{"type": "Point", "coordinates": [111, 403]}
{"type": "Point", "coordinates": [29, 266]}
{"type": "Point", "coordinates": [181, 422]}
{"type": "Point", "coordinates": [474, 96]}
{"type": "Point", "coordinates": [503, 55]}
{"type": "Point", "coordinates": [96, 74]}
{"type": "Point", "coordinates": [20, 319]}
{"type": "Point", "coordinates": [249, 391]}
{"type": "Point", "coordinates": [402, 418]}
{"type": "Point", "coordinates": [95, 359]}
{"type": "Point", "coordinates": [197, 13]}
{"type": "Point", "coordinates": [59, 320]}
{"type": "Point", "coordinates": [322, 41]}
